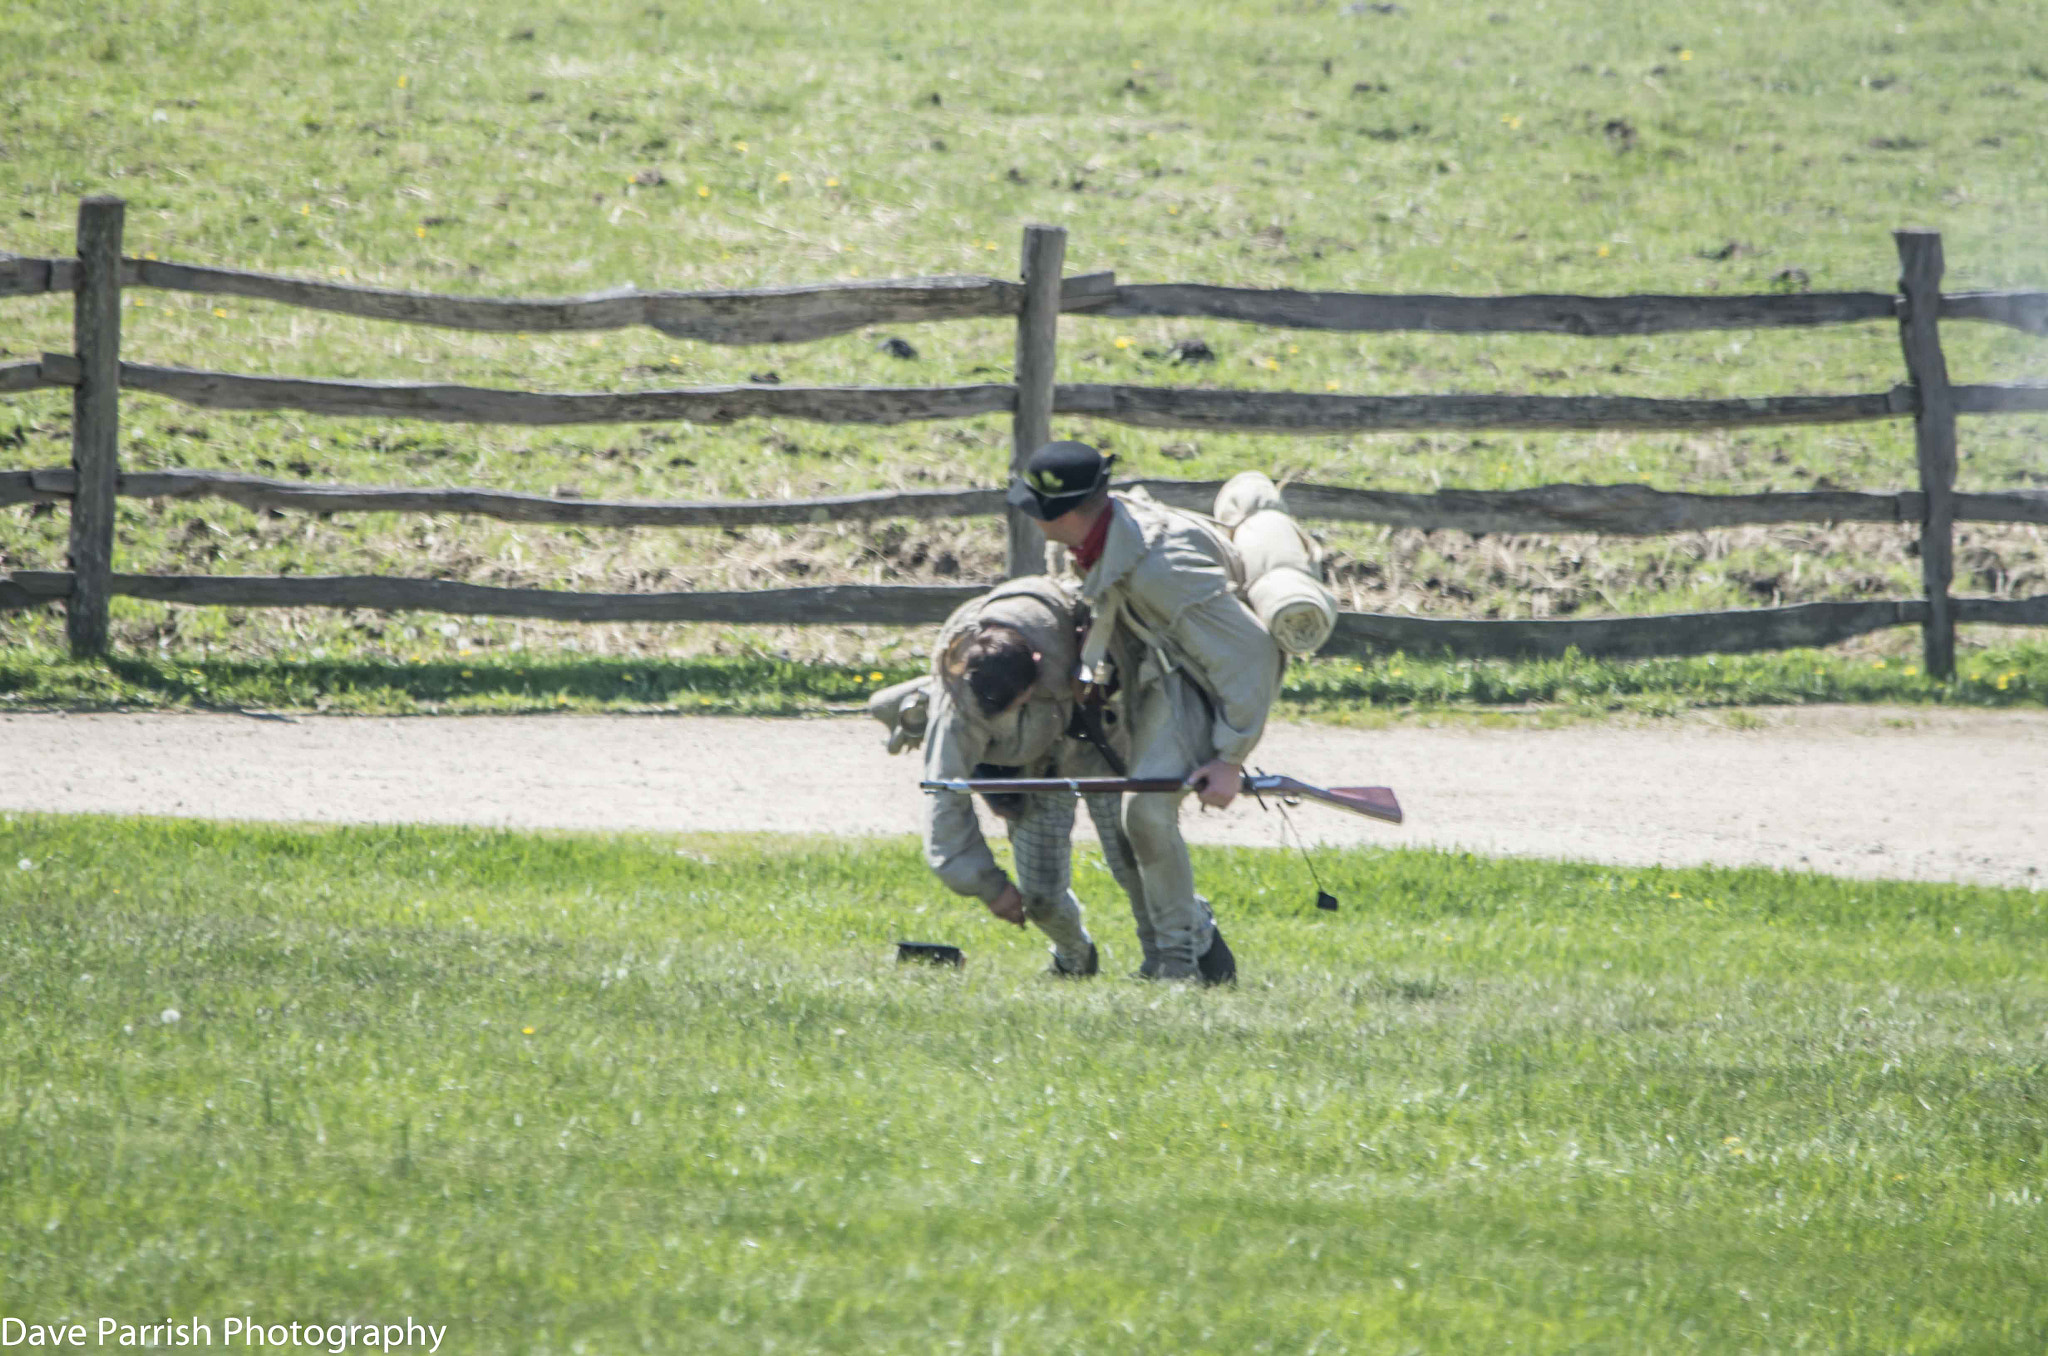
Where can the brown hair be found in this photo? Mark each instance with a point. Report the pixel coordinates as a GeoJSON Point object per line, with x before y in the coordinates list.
{"type": "Point", "coordinates": [999, 666]}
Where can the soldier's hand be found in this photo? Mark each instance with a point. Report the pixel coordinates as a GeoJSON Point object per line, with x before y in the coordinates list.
{"type": "Point", "coordinates": [1009, 905]}
{"type": "Point", "coordinates": [1217, 782]}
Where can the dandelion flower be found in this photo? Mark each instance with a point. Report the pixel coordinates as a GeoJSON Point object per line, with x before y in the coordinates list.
{"type": "Point", "coordinates": [305, 209]}
{"type": "Point", "coordinates": [703, 190]}
{"type": "Point", "coordinates": [1686, 55]}
{"type": "Point", "coordinates": [1172, 210]}
{"type": "Point", "coordinates": [402, 81]}
{"type": "Point", "coordinates": [221, 312]}
{"type": "Point", "coordinates": [1124, 341]}
{"type": "Point", "coordinates": [1329, 386]}
{"type": "Point", "coordinates": [420, 231]}
{"type": "Point", "coordinates": [782, 178]}
{"type": "Point", "coordinates": [1272, 364]}
{"type": "Point", "coordinates": [832, 182]}
{"type": "Point", "coordinates": [526, 1031]}
{"type": "Point", "coordinates": [740, 146]}
{"type": "Point", "coordinates": [990, 245]}
{"type": "Point", "coordinates": [875, 677]}
{"type": "Point", "coordinates": [1602, 251]}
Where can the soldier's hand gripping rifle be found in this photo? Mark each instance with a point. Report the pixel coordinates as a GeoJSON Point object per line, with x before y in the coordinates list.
{"type": "Point", "coordinates": [1374, 802]}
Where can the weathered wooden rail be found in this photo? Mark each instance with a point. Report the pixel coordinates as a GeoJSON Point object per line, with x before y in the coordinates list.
{"type": "Point", "coordinates": [1615, 510]}
{"type": "Point", "coordinates": [96, 375]}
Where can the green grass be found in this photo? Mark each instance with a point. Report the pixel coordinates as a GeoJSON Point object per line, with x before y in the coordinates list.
{"type": "Point", "coordinates": [1331, 690]}
{"type": "Point", "coordinates": [1695, 148]}
{"type": "Point", "coordinates": [580, 1093]}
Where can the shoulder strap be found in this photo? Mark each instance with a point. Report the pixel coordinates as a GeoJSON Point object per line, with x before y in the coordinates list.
{"type": "Point", "coordinates": [1095, 645]}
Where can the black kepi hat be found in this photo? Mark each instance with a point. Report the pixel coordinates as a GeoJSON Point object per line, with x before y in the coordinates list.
{"type": "Point", "coordinates": [1059, 478]}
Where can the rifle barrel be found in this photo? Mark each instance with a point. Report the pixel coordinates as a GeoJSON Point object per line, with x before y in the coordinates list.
{"type": "Point", "coordinates": [1079, 786]}
{"type": "Point", "coordinates": [1376, 802]}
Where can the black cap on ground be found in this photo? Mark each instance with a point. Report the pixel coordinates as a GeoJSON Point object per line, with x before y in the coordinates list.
{"type": "Point", "coordinates": [1059, 478]}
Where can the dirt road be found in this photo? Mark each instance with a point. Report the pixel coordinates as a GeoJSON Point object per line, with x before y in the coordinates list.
{"type": "Point", "coordinates": [1908, 793]}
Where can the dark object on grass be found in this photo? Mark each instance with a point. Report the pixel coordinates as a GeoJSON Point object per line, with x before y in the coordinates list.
{"type": "Point", "coordinates": [897, 347]}
{"type": "Point", "coordinates": [1193, 351]}
{"type": "Point", "coordinates": [1326, 901]}
{"type": "Point", "coordinates": [931, 953]}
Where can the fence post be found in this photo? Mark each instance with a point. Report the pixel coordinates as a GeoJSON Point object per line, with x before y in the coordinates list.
{"type": "Point", "coordinates": [1934, 421]}
{"type": "Point", "coordinates": [95, 422]}
{"type": "Point", "coordinates": [1045, 254]}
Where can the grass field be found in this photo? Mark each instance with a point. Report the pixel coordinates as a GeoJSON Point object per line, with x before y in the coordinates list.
{"type": "Point", "coordinates": [1724, 145]}
{"type": "Point", "coordinates": [583, 1094]}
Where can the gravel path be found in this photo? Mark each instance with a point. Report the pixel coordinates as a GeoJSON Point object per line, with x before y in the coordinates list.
{"type": "Point", "coordinates": [1910, 794]}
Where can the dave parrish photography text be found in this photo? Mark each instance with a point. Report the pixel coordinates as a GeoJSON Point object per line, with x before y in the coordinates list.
{"type": "Point", "coordinates": [243, 1331]}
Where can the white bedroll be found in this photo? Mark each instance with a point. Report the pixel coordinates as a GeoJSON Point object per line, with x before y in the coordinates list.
{"type": "Point", "coordinates": [1282, 563]}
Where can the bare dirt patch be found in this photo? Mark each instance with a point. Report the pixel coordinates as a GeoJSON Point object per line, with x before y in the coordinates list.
{"type": "Point", "coordinates": [1907, 793]}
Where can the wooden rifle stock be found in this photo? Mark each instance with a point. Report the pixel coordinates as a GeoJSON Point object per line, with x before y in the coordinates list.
{"type": "Point", "coordinates": [1374, 802]}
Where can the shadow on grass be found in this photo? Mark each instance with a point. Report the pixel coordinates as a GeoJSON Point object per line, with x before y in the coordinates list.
{"type": "Point", "coordinates": [508, 685]}
{"type": "Point", "coordinates": [2012, 675]}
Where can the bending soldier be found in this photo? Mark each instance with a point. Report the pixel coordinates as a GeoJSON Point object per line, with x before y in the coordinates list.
{"type": "Point", "coordinates": [1000, 703]}
{"type": "Point", "coordinates": [1197, 669]}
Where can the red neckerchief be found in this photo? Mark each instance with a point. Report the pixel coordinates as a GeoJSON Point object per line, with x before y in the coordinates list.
{"type": "Point", "coordinates": [1090, 549]}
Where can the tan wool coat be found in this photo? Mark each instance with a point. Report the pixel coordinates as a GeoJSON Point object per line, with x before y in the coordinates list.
{"type": "Point", "coordinates": [1032, 740]}
{"type": "Point", "coordinates": [1172, 587]}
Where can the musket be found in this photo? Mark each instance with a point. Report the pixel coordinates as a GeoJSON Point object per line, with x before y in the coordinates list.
{"type": "Point", "coordinates": [1374, 802]}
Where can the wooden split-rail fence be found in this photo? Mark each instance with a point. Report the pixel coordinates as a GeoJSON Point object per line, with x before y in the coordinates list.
{"type": "Point", "coordinates": [97, 375]}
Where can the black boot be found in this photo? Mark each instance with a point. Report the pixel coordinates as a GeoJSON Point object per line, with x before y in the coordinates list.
{"type": "Point", "coordinates": [1217, 965]}
{"type": "Point", "coordinates": [1089, 968]}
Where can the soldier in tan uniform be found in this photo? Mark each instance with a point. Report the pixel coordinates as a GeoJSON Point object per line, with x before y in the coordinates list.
{"type": "Point", "coordinates": [1197, 671]}
{"type": "Point", "coordinates": [999, 703]}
